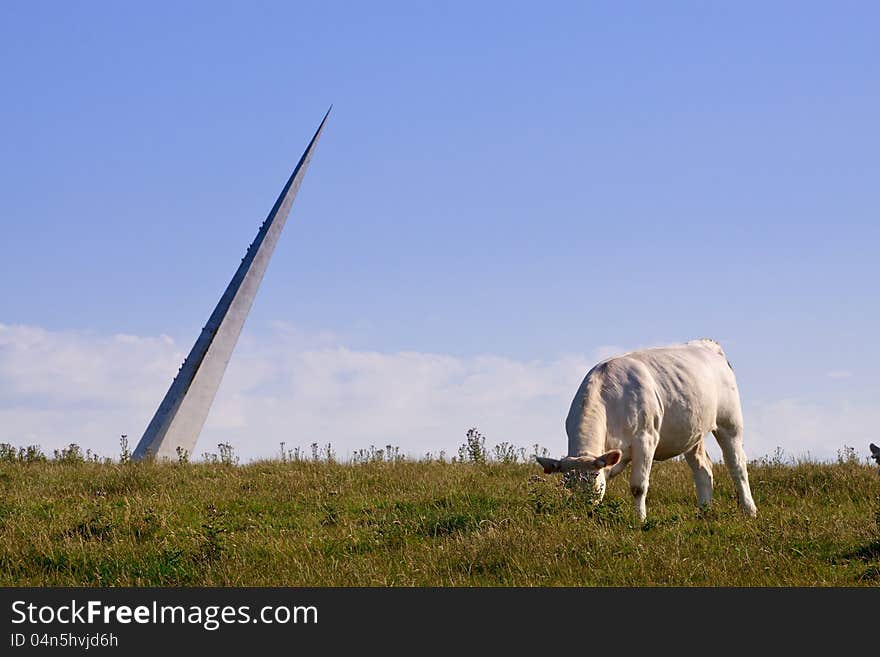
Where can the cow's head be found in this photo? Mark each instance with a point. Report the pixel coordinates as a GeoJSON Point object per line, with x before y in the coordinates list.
{"type": "Point", "coordinates": [592, 466]}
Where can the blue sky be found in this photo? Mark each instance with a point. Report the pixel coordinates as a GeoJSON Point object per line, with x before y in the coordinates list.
{"type": "Point", "coordinates": [530, 185]}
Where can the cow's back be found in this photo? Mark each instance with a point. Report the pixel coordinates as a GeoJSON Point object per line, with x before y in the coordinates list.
{"type": "Point", "coordinates": [683, 391]}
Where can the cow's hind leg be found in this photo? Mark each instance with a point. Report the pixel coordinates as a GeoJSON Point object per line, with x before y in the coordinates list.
{"type": "Point", "coordinates": [701, 468]}
{"type": "Point", "coordinates": [730, 439]}
{"type": "Point", "coordinates": [642, 453]}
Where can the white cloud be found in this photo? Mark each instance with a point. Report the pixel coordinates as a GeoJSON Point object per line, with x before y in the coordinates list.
{"type": "Point", "coordinates": [839, 374]}
{"type": "Point", "coordinates": [59, 387]}
{"type": "Point", "coordinates": [803, 429]}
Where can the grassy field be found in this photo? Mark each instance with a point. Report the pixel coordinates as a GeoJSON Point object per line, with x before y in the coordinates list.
{"type": "Point", "coordinates": [403, 523]}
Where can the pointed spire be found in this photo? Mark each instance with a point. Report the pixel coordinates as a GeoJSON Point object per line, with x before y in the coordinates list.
{"type": "Point", "coordinates": [179, 419]}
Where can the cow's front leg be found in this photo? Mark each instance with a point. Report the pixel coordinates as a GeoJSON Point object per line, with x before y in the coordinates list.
{"type": "Point", "coordinates": [642, 457]}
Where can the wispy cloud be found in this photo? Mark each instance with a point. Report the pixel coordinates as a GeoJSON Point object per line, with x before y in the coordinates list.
{"type": "Point", "coordinates": [61, 387]}
{"type": "Point", "coordinates": [839, 374]}
{"type": "Point", "coordinates": [802, 428]}
{"type": "Point", "coordinates": [58, 387]}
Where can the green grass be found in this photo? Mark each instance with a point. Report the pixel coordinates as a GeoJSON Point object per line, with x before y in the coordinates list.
{"type": "Point", "coordinates": [426, 523]}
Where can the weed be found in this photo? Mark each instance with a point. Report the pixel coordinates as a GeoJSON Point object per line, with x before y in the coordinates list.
{"type": "Point", "coordinates": [29, 454]}
{"type": "Point", "coordinates": [848, 456]}
{"type": "Point", "coordinates": [505, 453]}
{"type": "Point", "coordinates": [775, 460]}
{"type": "Point", "coordinates": [124, 454]}
{"type": "Point", "coordinates": [474, 448]}
{"type": "Point", "coordinates": [390, 454]}
{"type": "Point", "coordinates": [227, 454]}
{"type": "Point", "coordinates": [72, 454]}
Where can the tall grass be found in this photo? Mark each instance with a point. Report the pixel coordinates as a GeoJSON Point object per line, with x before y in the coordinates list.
{"type": "Point", "coordinates": [486, 518]}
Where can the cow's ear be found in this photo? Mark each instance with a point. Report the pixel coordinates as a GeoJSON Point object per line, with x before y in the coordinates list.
{"type": "Point", "coordinates": [549, 465]}
{"type": "Point", "coordinates": [608, 459]}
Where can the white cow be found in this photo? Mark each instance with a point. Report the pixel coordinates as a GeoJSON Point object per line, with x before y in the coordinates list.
{"type": "Point", "coordinates": [652, 405]}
